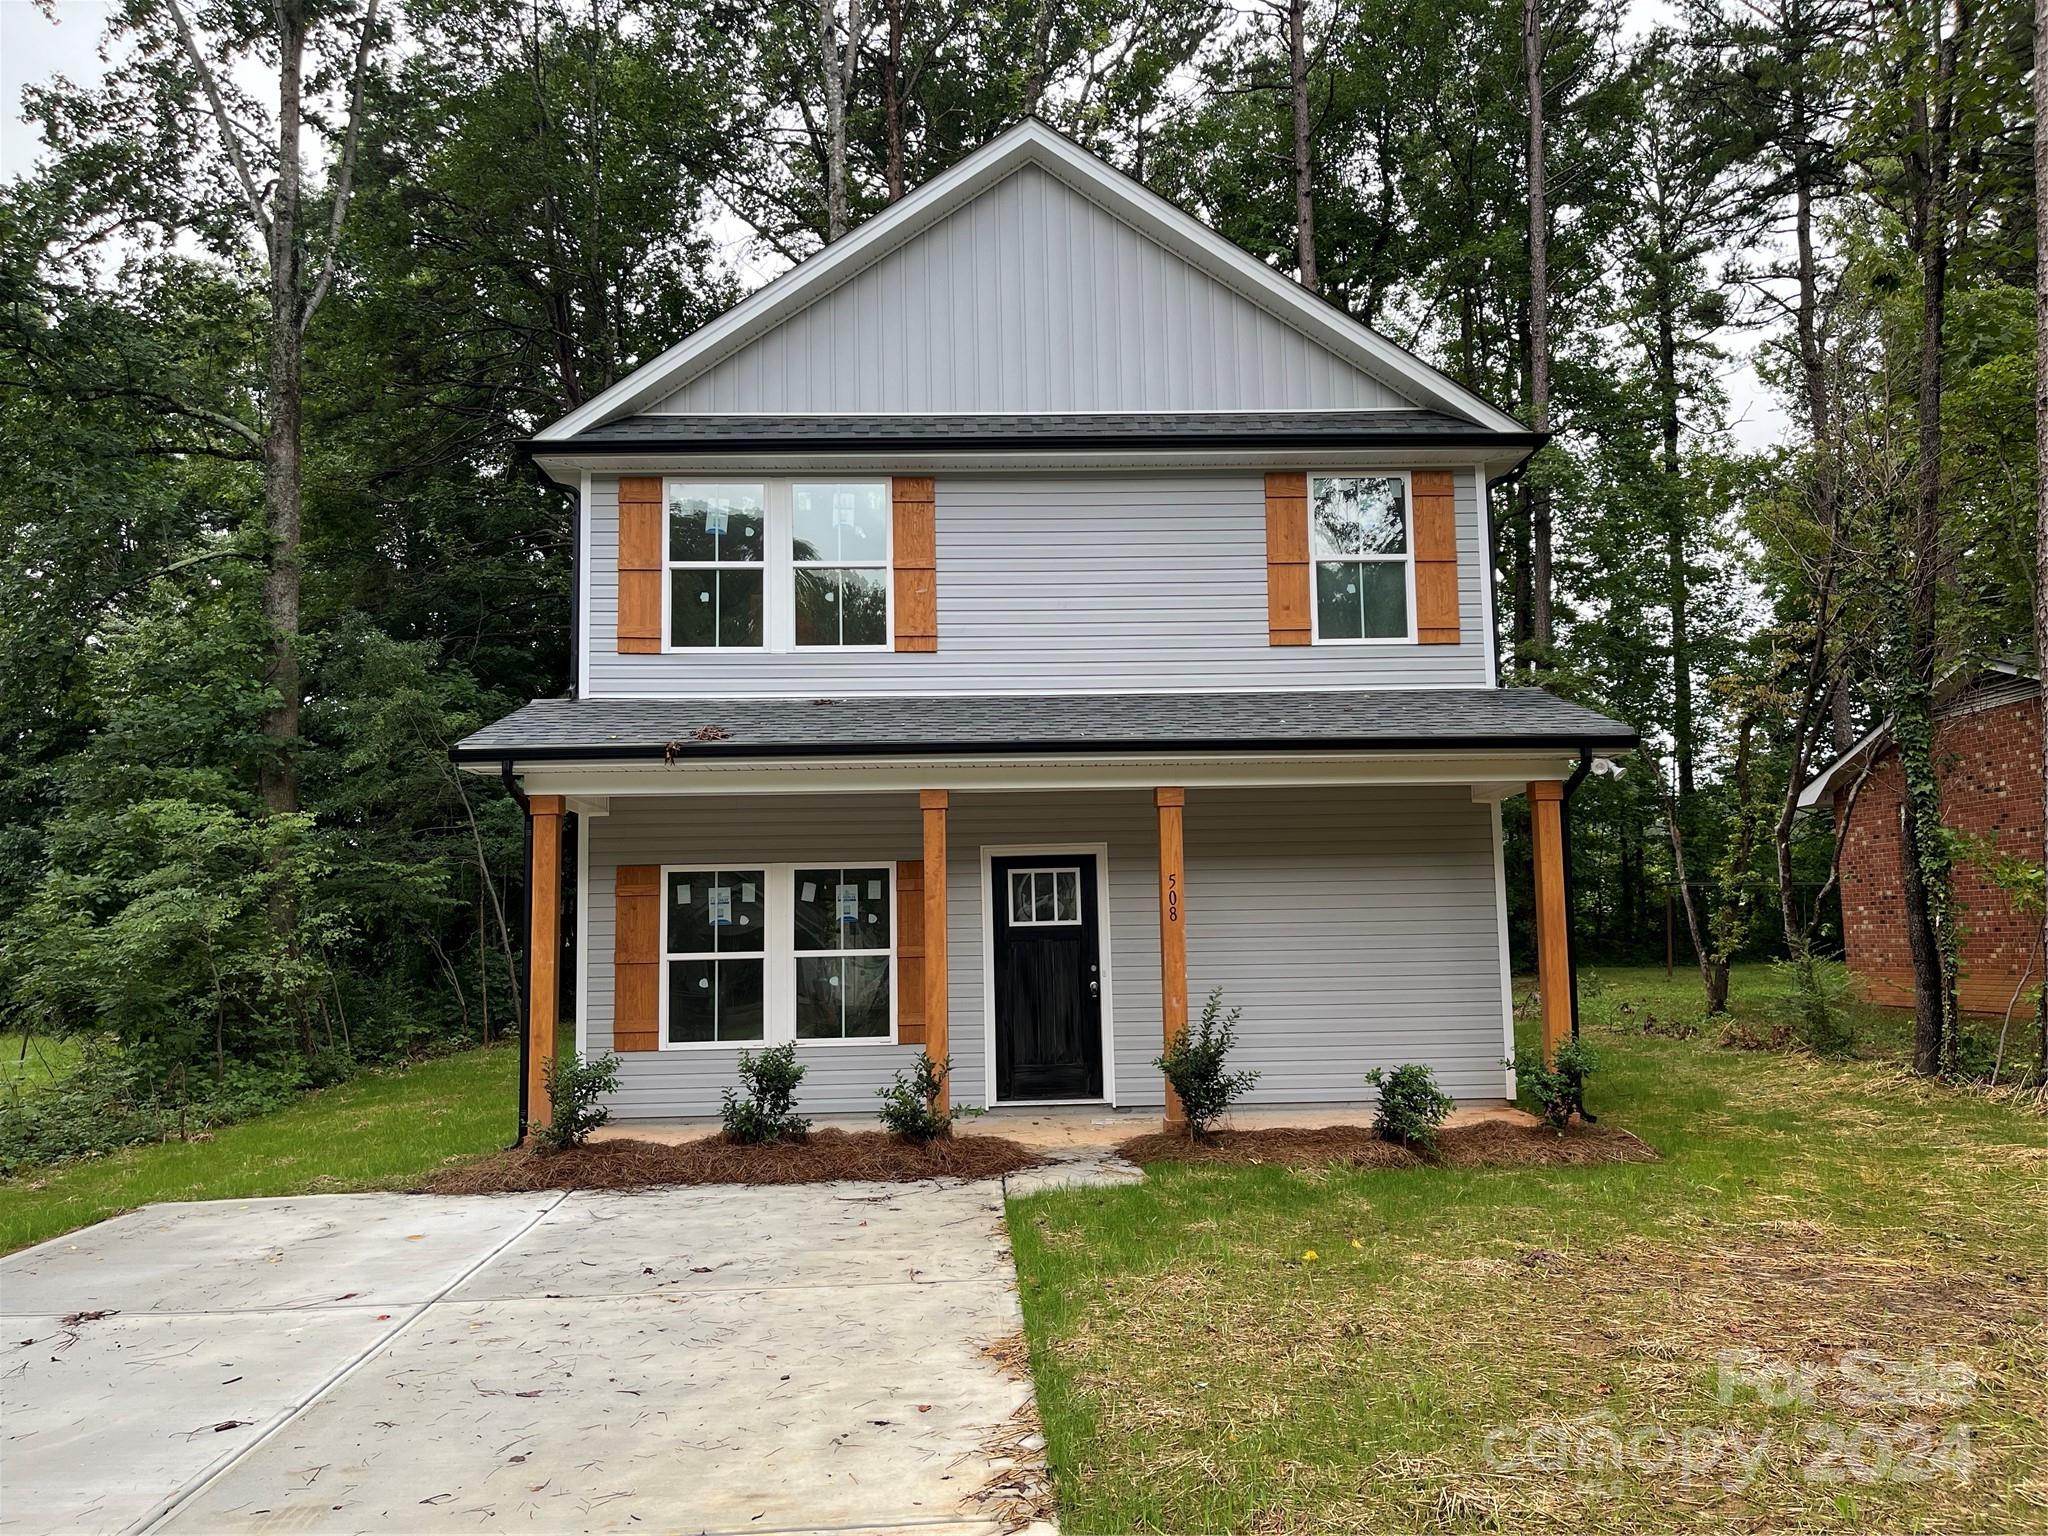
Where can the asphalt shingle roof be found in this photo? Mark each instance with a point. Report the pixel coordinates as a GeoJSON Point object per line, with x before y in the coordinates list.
{"type": "Point", "coordinates": [1417, 719]}
{"type": "Point", "coordinates": [1131, 429]}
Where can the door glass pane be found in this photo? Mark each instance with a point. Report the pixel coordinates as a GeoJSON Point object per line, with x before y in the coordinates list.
{"type": "Point", "coordinates": [865, 986]}
{"type": "Point", "coordinates": [1041, 896]}
{"type": "Point", "coordinates": [692, 1005]}
{"type": "Point", "coordinates": [818, 988]}
{"type": "Point", "coordinates": [1020, 896]}
{"type": "Point", "coordinates": [739, 608]}
{"type": "Point", "coordinates": [740, 1010]}
{"type": "Point", "coordinates": [1383, 600]}
{"type": "Point", "coordinates": [840, 521]}
{"type": "Point", "coordinates": [716, 522]}
{"type": "Point", "coordinates": [1067, 895]}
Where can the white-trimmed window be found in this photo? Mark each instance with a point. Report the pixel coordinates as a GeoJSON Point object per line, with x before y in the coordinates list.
{"type": "Point", "coordinates": [1045, 898]}
{"type": "Point", "coordinates": [1360, 544]}
{"type": "Point", "coordinates": [839, 562]}
{"type": "Point", "coordinates": [715, 956]}
{"type": "Point", "coordinates": [760, 954]}
{"type": "Point", "coordinates": [779, 565]}
{"type": "Point", "coordinates": [841, 942]}
{"type": "Point", "coordinates": [717, 567]}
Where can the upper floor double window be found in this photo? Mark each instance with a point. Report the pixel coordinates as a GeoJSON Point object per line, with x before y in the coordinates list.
{"type": "Point", "coordinates": [1359, 541]}
{"type": "Point", "coordinates": [778, 564]}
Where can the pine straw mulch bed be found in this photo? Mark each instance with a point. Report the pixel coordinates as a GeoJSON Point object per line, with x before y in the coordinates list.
{"type": "Point", "coordinates": [873, 1156]}
{"type": "Point", "coordinates": [1483, 1144]}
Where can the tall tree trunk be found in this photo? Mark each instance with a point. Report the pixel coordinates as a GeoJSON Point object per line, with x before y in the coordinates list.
{"type": "Point", "coordinates": [1541, 629]}
{"type": "Point", "coordinates": [281, 467]}
{"type": "Point", "coordinates": [837, 62]}
{"type": "Point", "coordinates": [2041, 434]}
{"type": "Point", "coordinates": [892, 103]}
{"type": "Point", "coordinates": [1929, 918]}
{"type": "Point", "coordinates": [1676, 566]}
{"type": "Point", "coordinates": [1304, 163]}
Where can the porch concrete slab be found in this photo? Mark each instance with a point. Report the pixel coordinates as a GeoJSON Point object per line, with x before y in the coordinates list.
{"type": "Point", "coordinates": [729, 1237]}
{"type": "Point", "coordinates": [251, 1255]}
{"type": "Point", "coordinates": [102, 1422]}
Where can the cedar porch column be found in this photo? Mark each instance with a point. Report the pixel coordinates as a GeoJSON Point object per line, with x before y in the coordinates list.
{"type": "Point", "coordinates": [937, 1040]}
{"type": "Point", "coordinates": [1553, 922]}
{"type": "Point", "coordinates": [1173, 938]}
{"type": "Point", "coordinates": [543, 951]}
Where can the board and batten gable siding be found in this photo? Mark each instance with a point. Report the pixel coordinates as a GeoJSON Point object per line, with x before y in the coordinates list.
{"type": "Point", "coordinates": [1070, 582]}
{"type": "Point", "coordinates": [1031, 297]}
{"type": "Point", "coordinates": [1355, 927]}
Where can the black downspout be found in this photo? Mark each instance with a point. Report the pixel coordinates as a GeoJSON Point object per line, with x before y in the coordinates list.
{"type": "Point", "coordinates": [526, 939]}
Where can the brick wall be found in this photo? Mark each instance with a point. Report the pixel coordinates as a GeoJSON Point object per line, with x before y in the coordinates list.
{"type": "Point", "coordinates": [1989, 762]}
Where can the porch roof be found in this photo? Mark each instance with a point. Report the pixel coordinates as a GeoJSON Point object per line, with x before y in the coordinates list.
{"type": "Point", "coordinates": [1380, 720]}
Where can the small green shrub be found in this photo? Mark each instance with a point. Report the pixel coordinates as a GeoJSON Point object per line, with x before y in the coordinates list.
{"type": "Point", "coordinates": [1195, 1064]}
{"type": "Point", "coordinates": [1558, 1091]}
{"type": "Point", "coordinates": [574, 1088]}
{"type": "Point", "coordinates": [1411, 1106]}
{"type": "Point", "coordinates": [768, 1111]}
{"type": "Point", "coordinates": [1814, 1010]}
{"type": "Point", "coordinates": [910, 1104]}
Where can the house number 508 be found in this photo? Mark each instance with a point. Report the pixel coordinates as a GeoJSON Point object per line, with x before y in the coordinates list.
{"type": "Point", "coordinates": [1173, 898]}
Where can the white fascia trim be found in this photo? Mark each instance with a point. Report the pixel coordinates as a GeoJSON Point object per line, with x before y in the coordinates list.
{"type": "Point", "coordinates": [565, 468]}
{"type": "Point", "coordinates": [1083, 771]}
{"type": "Point", "coordinates": [1032, 143]}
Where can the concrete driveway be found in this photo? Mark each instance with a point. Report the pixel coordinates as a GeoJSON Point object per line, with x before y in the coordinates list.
{"type": "Point", "coordinates": [722, 1359]}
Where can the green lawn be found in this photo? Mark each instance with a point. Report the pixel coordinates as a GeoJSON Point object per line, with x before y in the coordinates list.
{"type": "Point", "coordinates": [374, 1132]}
{"type": "Point", "coordinates": [1499, 1350]}
{"type": "Point", "coordinates": [30, 1062]}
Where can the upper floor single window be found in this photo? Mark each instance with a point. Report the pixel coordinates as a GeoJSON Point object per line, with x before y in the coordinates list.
{"type": "Point", "coordinates": [778, 565]}
{"type": "Point", "coordinates": [1364, 567]}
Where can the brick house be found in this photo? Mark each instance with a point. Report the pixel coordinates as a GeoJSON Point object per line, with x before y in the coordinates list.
{"type": "Point", "coordinates": [1987, 748]}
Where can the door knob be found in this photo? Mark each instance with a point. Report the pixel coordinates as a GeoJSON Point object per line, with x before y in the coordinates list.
{"type": "Point", "coordinates": [1094, 987]}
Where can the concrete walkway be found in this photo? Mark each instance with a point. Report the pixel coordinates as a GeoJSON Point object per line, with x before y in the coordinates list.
{"type": "Point", "coordinates": [816, 1358]}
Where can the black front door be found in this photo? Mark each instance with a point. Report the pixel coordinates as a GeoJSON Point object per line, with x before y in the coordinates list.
{"type": "Point", "coordinates": [1048, 977]}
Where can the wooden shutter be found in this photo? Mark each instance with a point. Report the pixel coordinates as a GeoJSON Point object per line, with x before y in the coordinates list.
{"type": "Point", "coordinates": [636, 957]}
{"type": "Point", "coordinates": [1436, 556]}
{"type": "Point", "coordinates": [1287, 619]}
{"type": "Point", "coordinates": [640, 564]}
{"type": "Point", "coordinates": [916, 560]}
{"type": "Point", "coordinates": [910, 952]}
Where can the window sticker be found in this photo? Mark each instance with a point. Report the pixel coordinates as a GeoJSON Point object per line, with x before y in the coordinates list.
{"type": "Point", "coordinates": [747, 892]}
{"type": "Point", "coordinates": [682, 894]}
{"type": "Point", "coordinates": [720, 906]}
{"type": "Point", "coordinates": [849, 903]}
{"type": "Point", "coordinates": [810, 891]}
{"type": "Point", "coordinates": [715, 522]}
{"type": "Point", "coordinates": [874, 890]}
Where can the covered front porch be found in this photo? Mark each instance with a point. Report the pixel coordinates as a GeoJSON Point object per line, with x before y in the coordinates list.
{"type": "Point", "coordinates": [1046, 922]}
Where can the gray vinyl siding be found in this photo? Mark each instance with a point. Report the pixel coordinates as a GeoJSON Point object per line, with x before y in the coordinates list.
{"type": "Point", "coordinates": [1355, 928]}
{"type": "Point", "coordinates": [1101, 582]}
{"type": "Point", "coordinates": [1030, 298]}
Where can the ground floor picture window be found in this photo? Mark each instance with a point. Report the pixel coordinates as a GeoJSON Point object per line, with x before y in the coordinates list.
{"type": "Point", "coordinates": [717, 934]}
{"type": "Point", "coordinates": [802, 952]}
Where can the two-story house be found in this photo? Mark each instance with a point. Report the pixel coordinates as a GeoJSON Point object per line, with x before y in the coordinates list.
{"type": "Point", "coordinates": [1022, 617]}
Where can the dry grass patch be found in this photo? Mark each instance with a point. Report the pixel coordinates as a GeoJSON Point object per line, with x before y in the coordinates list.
{"type": "Point", "coordinates": [872, 1156]}
{"type": "Point", "coordinates": [1483, 1144]}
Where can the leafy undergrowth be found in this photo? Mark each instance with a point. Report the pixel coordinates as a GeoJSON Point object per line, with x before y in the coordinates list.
{"type": "Point", "coordinates": [625, 1163]}
{"type": "Point", "coordinates": [1482, 1144]}
{"type": "Point", "coordinates": [1822, 1309]}
{"type": "Point", "coordinates": [377, 1131]}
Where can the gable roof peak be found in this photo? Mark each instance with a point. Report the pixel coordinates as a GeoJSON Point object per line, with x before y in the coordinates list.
{"type": "Point", "coordinates": [1031, 141]}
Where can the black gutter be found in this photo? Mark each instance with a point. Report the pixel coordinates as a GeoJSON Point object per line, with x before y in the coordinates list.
{"type": "Point", "coordinates": [1050, 442]}
{"type": "Point", "coordinates": [622, 752]}
{"type": "Point", "coordinates": [1571, 948]}
{"type": "Point", "coordinates": [525, 940]}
